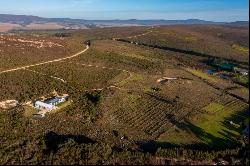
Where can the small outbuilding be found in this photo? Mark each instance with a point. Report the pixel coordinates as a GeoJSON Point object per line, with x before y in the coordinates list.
{"type": "Point", "coordinates": [50, 103]}
{"type": "Point", "coordinates": [241, 71]}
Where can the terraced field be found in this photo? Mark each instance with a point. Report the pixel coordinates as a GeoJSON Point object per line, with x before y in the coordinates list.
{"type": "Point", "coordinates": [148, 117]}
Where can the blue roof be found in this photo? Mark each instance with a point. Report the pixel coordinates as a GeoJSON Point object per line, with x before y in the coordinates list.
{"type": "Point", "coordinates": [228, 66]}
{"type": "Point", "coordinates": [52, 100]}
{"type": "Point", "coordinates": [211, 72]}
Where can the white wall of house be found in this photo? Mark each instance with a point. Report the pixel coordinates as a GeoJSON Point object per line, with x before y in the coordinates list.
{"type": "Point", "coordinates": [41, 105]}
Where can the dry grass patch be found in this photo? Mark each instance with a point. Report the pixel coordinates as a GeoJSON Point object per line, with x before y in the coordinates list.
{"type": "Point", "coordinates": [213, 108]}
{"type": "Point", "coordinates": [203, 75]}
{"type": "Point", "coordinates": [241, 49]}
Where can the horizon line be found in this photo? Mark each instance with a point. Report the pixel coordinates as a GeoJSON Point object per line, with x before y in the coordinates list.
{"type": "Point", "coordinates": [160, 19]}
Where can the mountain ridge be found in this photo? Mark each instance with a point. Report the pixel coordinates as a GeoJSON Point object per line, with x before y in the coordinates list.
{"type": "Point", "coordinates": [36, 22]}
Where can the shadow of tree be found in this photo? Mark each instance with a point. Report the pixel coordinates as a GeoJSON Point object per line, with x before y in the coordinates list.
{"type": "Point", "coordinates": [227, 140]}
{"type": "Point", "coordinates": [213, 142]}
{"type": "Point", "coordinates": [159, 97]}
{"type": "Point", "coordinates": [183, 51]}
{"type": "Point", "coordinates": [239, 117]}
{"type": "Point", "coordinates": [53, 140]}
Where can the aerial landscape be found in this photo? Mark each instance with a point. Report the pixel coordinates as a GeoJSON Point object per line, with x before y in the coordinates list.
{"type": "Point", "coordinates": [91, 83]}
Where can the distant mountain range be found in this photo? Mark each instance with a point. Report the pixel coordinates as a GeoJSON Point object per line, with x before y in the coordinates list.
{"type": "Point", "coordinates": [10, 22]}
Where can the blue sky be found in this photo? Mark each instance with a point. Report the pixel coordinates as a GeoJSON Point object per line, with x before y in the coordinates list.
{"type": "Point", "coordinates": [214, 10]}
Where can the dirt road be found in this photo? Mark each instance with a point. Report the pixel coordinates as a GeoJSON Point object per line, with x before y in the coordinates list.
{"type": "Point", "coordinates": [42, 63]}
{"type": "Point", "coordinates": [69, 57]}
{"type": "Point", "coordinates": [56, 78]}
{"type": "Point", "coordinates": [150, 30]}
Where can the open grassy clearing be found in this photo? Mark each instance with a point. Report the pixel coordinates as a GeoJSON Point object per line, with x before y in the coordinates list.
{"type": "Point", "coordinates": [179, 137]}
{"type": "Point", "coordinates": [213, 108]}
{"type": "Point", "coordinates": [242, 49]}
{"type": "Point", "coordinates": [204, 75]}
{"type": "Point", "coordinates": [29, 111]}
{"type": "Point", "coordinates": [211, 128]}
{"type": "Point", "coordinates": [62, 106]}
{"type": "Point", "coordinates": [219, 131]}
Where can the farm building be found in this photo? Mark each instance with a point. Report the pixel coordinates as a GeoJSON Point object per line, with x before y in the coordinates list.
{"type": "Point", "coordinates": [50, 104]}
{"type": "Point", "coordinates": [227, 66]}
{"type": "Point", "coordinates": [43, 106]}
{"type": "Point", "coordinates": [55, 100]}
{"type": "Point", "coordinates": [241, 71]}
{"type": "Point", "coordinates": [222, 65]}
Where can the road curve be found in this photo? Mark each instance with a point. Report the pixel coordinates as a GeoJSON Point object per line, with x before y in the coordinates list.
{"type": "Point", "coordinates": [130, 37]}
{"type": "Point", "coordinates": [52, 61]}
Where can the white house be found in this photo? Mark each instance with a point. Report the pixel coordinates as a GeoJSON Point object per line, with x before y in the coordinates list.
{"type": "Point", "coordinates": [40, 105]}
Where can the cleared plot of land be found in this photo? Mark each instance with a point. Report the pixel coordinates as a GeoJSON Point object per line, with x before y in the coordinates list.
{"type": "Point", "coordinates": [242, 49]}
{"type": "Point", "coordinates": [5, 27]}
{"type": "Point", "coordinates": [213, 108]}
{"type": "Point", "coordinates": [29, 111]}
{"type": "Point", "coordinates": [43, 26]}
{"type": "Point", "coordinates": [178, 136]}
